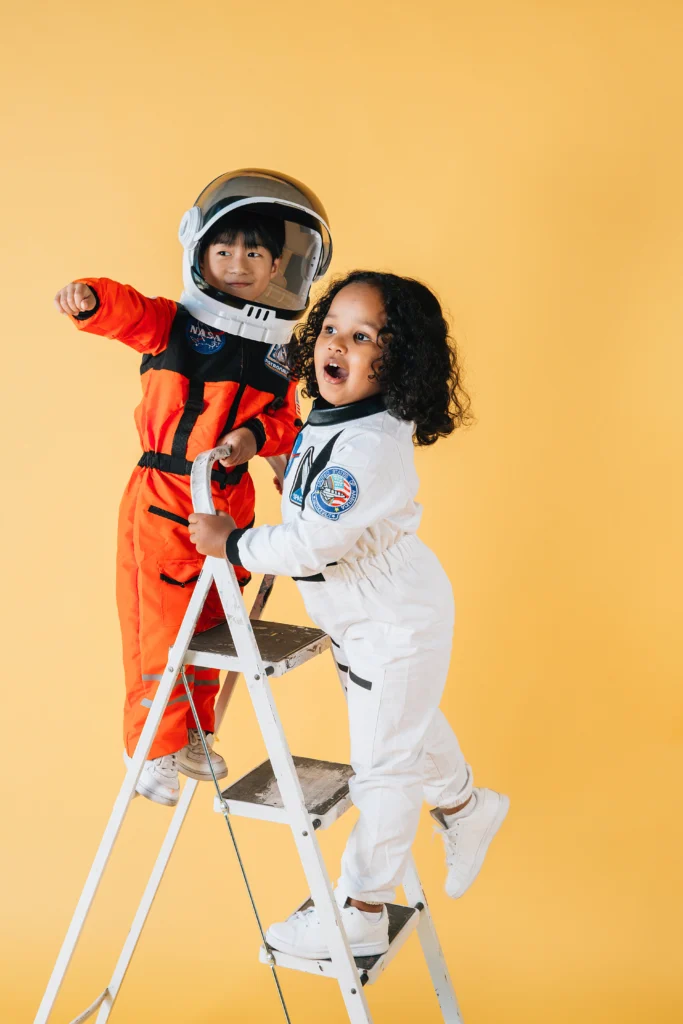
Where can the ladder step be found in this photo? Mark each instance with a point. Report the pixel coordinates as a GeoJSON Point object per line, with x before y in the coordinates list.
{"type": "Point", "coordinates": [402, 922]}
{"type": "Point", "coordinates": [325, 785]}
{"type": "Point", "coordinates": [282, 646]}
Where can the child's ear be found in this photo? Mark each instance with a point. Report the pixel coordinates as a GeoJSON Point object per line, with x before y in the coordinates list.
{"type": "Point", "coordinates": [275, 267]}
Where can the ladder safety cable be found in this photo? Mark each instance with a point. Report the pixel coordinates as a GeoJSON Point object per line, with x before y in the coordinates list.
{"type": "Point", "coordinates": [226, 816]}
{"type": "Point", "coordinates": [91, 1009]}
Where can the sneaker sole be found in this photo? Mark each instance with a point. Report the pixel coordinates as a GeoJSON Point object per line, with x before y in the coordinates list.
{"type": "Point", "coordinates": [202, 776]}
{"type": "Point", "coordinates": [485, 843]}
{"type": "Point", "coordinates": [150, 794]}
{"type": "Point", "coordinates": [157, 798]}
{"type": "Point", "coordinates": [359, 949]}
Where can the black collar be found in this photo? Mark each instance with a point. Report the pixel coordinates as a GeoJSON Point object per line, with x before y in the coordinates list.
{"type": "Point", "coordinates": [323, 414]}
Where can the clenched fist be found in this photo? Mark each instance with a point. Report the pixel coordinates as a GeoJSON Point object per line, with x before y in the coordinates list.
{"type": "Point", "coordinates": [242, 444]}
{"type": "Point", "coordinates": [209, 533]}
{"type": "Point", "coordinates": [75, 298]}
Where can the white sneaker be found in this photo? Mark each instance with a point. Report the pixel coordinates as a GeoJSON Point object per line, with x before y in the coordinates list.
{"type": "Point", "coordinates": [467, 839]}
{"type": "Point", "coordinates": [192, 759]}
{"type": "Point", "coordinates": [301, 934]}
{"type": "Point", "coordinates": [159, 779]}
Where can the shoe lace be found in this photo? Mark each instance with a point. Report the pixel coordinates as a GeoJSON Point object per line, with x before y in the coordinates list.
{"type": "Point", "coordinates": [450, 838]}
{"type": "Point", "coordinates": [195, 740]}
{"type": "Point", "coordinates": [306, 914]}
{"type": "Point", "coordinates": [167, 763]}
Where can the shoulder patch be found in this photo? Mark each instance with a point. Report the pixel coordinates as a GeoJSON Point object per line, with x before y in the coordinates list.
{"type": "Point", "coordinates": [276, 360]}
{"type": "Point", "coordinates": [335, 492]}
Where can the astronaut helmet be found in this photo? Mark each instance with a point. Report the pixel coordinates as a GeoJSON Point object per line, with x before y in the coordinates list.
{"type": "Point", "coordinates": [259, 208]}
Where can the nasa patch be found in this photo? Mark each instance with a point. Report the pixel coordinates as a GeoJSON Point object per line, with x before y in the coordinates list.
{"type": "Point", "coordinates": [205, 340]}
{"type": "Point", "coordinates": [336, 492]}
{"type": "Point", "coordinates": [276, 360]}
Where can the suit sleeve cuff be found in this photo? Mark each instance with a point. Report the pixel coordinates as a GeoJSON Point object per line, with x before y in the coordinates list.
{"type": "Point", "coordinates": [231, 545]}
{"type": "Point", "coordinates": [87, 313]}
{"type": "Point", "coordinates": [258, 431]}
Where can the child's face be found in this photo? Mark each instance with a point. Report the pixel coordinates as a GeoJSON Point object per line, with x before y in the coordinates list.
{"type": "Point", "coordinates": [348, 345]}
{"type": "Point", "coordinates": [238, 270]}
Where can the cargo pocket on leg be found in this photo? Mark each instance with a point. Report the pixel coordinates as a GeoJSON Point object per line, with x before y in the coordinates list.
{"type": "Point", "coordinates": [177, 578]}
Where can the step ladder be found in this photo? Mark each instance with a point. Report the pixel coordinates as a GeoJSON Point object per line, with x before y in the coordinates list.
{"type": "Point", "coordinates": [305, 794]}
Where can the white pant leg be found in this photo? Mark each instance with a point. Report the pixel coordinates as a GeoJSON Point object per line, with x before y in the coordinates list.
{"type": "Point", "coordinates": [447, 776]}
{"type": "Point", "coordinates": [389, 724]}
{"type": "Point", "coordinates": [392, 623]}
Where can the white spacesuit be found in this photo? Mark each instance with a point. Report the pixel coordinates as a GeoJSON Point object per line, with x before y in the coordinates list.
{"type": "Point", "coordinates": [349, 538]}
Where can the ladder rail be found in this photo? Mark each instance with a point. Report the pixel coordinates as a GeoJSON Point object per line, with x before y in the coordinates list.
{"type": "Point", "coordinates": [431, 947]}
{"type": "Point", "coordinates": [280, 756]}
{"type": "Point", "coordinates": [126, 793]}
{"type": "Point", "coordinates": [240, 861]}
{"type": "Point", "coordinates": [304, 836]}
{"type": "Point", "coordinates": [168, 844]}
{"type": "Point", "coordinates": [127, 790]}
{"type": "Point", "coordinates": [148, 897]}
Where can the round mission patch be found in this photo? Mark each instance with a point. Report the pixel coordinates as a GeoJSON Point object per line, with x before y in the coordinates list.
{"type": "Point", "coordinates": [335, 492]}
{"type": "Point", "coordinates": [205, 340]}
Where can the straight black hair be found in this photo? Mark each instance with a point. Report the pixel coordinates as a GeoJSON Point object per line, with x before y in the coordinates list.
{"type": "Point", "coordinates": [254, 229]}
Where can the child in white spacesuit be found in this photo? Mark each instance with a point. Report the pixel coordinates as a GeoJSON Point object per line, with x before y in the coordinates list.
{"type": "Point", "coordinates": [375, 354]}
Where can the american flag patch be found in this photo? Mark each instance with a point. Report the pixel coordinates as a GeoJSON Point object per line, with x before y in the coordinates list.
{"type": "Point", "coordinates": [335, 492]}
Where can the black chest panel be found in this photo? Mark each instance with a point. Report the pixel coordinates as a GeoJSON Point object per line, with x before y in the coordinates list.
{"type": "Point", "coordinates": [203, 354]}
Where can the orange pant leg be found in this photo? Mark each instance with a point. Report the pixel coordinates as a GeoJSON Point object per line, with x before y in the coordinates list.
{"type": "Point", "coordinates": [127, 598]}
{"type": "Point", "coordinates": [157, 569]}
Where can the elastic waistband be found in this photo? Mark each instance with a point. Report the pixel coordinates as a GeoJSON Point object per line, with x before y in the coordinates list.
{"type": "Point", "coordinates": [402, 551]}
{"type": "Point", "coordinates": [182, 467]}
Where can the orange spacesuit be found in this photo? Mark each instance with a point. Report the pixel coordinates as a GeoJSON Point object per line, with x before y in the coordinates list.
{"type": "Point", "coordinates": [198, 384]}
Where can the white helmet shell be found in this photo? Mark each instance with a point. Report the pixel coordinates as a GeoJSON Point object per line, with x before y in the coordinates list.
{"type": "Point", "coordinates": [305, 258]}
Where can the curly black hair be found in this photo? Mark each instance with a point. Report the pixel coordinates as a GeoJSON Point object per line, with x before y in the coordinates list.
{"type": "Point", "coordinates": [418, 372]}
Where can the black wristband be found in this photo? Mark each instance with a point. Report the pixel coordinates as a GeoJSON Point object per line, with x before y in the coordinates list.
{"type": "Point", "coordinates": [87, 313]}
{"type": "Point", "coordinates": [231, 545]}
{"type": "Point", "coordinates": [258, 431]}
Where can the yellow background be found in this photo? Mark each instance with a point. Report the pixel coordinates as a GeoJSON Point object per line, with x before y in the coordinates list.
{"type": "Point", "coordinates": [526, 160]}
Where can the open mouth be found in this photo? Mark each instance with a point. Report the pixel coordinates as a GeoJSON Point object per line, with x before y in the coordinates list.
{"type": "Point", "coordinates": [334, 373]}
